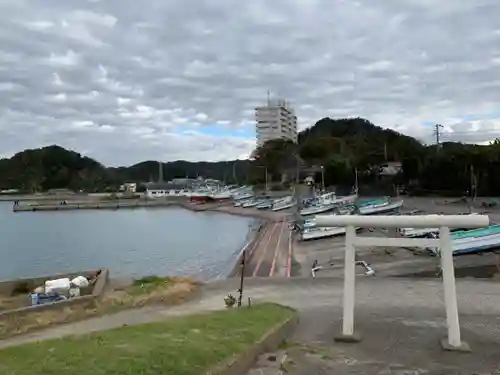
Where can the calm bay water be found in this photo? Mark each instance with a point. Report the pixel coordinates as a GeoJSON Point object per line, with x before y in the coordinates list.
{"type": "Point", "coordinates": [135, 242]}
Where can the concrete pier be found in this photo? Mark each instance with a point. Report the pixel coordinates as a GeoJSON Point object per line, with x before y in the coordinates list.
{"type": "Point", "coordinates": [91, 205]}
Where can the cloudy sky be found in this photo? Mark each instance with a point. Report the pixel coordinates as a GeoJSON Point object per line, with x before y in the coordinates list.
{"type": "Point", "coordinates": [127, 80]}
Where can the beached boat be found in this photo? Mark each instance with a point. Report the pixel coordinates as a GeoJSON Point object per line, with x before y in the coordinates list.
{"type": "Point", "coordinates": [327, 202]}
{"type": "Point", "coordinates": [417, 232]}
{"type": "Point", "coordinates": [321, 232]}
{"type": "Point", "coordinates": [317, 209]}
{"type": "Point", "coordinates": [242, 196]}
{"type": "Point", "coordinates": [476, 245]}
{"type": "Point", "coordinates": [240, 203]}
{"type": "Point", "coordinates": [264, 205]}
{"type": "Point", "coordinates": [474, 233]}
{"type": "Point", "coordinates": [284, 203]}
{"type": "Point", "coordinates": [252, 203]}
{"type": "Point", "coordinates": [472, 245]}
{"type": "Point", "coordinates": [373, 202]}
{"type": "Point", "coordinates": [380, 208]}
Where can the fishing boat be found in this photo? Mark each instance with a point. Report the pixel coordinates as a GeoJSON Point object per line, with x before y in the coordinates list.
{"type": "Point", "coordinates": [251, 203]}
{"type": "Point", "coordinates": [316, 209]}
{"type": "Point", "coordinates": [474, 233]}
{"type": "Point", "coordinates": [264, 205]}
{"type": "Point", "coordinates": [476, 245]}
{"type": "Point", "coordinates": [321, 232]}
{"type": "Point", "coordinates": [472, 245]}
{"type": "Point", "coordinates": [373, 202]}
{"type": "Point", "coordinates": [417, 232]}
{"type": "Point", "coordinates": [284, 203]}
{"type": "Point", "coordinates": [241, 202]}
{"type": "Point", "coordinates": [327, 202]}
{"type": "Point", "coordinates": [242, 196]}
{"type": "Point", "coordinates": [380, 208]}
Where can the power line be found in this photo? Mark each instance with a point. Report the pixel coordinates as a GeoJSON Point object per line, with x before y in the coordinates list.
{"type": "Point", "coordinates": [437, 133]}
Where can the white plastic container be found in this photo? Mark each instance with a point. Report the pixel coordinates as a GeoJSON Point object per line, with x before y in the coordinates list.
{"type": "Point", "coordinates": [80, 281]}
{"type": "Point", "coordinates": [60, 286]}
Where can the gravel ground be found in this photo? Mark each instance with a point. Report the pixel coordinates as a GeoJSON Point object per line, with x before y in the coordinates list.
{"type": "Point", "coordinates": [393, 261]}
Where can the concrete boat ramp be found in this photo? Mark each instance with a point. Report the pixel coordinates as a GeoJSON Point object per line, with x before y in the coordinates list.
{"type": "Point", "coordinates": [401, 321]}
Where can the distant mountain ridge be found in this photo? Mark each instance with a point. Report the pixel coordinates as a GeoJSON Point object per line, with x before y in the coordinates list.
{"type": "Point", "coordinates": [339, 145]}
{"type": "Point", "coordinates": [54, 167]}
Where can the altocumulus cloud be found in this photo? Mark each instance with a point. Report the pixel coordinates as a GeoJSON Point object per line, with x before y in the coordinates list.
{"type": "Point", "coordinates": [125, 80]}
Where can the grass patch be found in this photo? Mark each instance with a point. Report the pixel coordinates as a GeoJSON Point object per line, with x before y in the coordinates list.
{"type": "Point", "coordinates": [147, 291]}
{"type": "Point", "coordinates": [179, 346]}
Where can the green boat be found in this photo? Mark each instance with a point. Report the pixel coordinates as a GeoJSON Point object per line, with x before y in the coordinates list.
{"type": "Point", "coordinates": [373, 202]}
{"type": "Point", "coordinates": [481, 232]}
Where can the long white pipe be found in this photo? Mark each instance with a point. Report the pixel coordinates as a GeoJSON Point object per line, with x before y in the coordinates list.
{"type": "Point", "coordinates": [390, 221]}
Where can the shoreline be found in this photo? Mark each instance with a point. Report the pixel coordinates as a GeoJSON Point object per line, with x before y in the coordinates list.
{"type": "Point", "coordinates": [255, 235]}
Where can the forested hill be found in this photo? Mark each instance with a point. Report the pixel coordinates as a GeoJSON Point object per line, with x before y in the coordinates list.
{"type": "Point", "coordinates": [364, 143]}
{"type": "Point", "coordinates": [54, 167]}
{"type": "Point", "coordinates": [343, 145]}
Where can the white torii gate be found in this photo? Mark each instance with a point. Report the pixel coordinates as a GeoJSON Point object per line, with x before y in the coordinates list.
{"type": "Point", "coordinates": [444, 222]}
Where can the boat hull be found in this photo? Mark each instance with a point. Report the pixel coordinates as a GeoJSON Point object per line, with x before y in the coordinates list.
{"type": "Point", "coordinates": [374, 210]}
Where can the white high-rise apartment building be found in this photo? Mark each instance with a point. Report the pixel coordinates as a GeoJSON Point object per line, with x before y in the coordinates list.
{"type": "Point", "coordinates": [274, 121]}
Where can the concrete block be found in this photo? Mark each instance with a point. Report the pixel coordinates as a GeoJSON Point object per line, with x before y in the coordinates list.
{"type": "Point", "coordinates": [351, 339]}
{"type": "Point", "coordinates": [463, 348]}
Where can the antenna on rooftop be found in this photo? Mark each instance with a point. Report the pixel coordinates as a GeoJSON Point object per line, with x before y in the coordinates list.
{"type": "Point", "coordinates": [268, 98]}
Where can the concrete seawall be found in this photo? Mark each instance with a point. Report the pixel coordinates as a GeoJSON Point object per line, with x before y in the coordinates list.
{"type": "Point", "coordinates": [111, 205]}
{"type": "Point", "coordinates": [102, 204]}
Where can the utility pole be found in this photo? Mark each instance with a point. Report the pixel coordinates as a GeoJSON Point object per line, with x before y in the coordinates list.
{"type": "Point", "coordinates": [356, 188]}
{"type": "Point", "coordinates": [323, 178]}
{"type": "Point", "coordinates": [385, 151]}
{"type": "Point", "coordinates": [437, 133]}
{"type": "Point", "coordinates": [266, 180]}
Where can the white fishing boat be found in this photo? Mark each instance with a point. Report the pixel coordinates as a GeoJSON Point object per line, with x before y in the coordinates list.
{"type": "Point", "coordinates": [264, 205]}
{"type": "Point", "coordinates": [380, 208]}
{"type": "Point", "coordinates": [241, 202]}
{"type": "Point", "coordinates": [220, 195]}
{"type": "Point", "coordinates": [284, 203]}
{"type": "Point", "coordinates": [250, 203]}
{"type": "Point", "coordinates": [417, 232]}
{"type": "Point", "coordinates": [327, 202]}
{"type": "Point", "coordinates": [472, 245]}
{"type": "Point", "coordinates": [321, 232]}
{"type": "Point", "coordinates": [242, 196]}
{"type": "Point", "coordinates": [316, 209]}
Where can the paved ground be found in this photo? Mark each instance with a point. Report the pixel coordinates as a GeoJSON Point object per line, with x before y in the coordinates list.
{"type": "Point", "coordinates": [401, 322]}
{"type": "Point", "coordinates": [270, 256]}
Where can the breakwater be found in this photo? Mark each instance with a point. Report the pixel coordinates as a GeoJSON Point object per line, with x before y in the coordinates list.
{"type": "Point", "coordinates": [69, 205]}
{"type": "Point", "coordinates": [182, 202]}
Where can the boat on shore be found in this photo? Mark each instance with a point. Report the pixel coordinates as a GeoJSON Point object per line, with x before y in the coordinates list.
{"type": "Point", "coordinates": [265, 204]}
{"type": "Point", "coordinates": [322, 232]}
{"type": "Point", "coordinates": [380, 208]}
{"type": "Point", "coordinates": [475, 233]}
{"type": "Point", "coordinates": [327, 202]}
{"type": "Point", "coordinates": [417, 232]}
{"type": "Point", "coordinates": [284, 203]}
